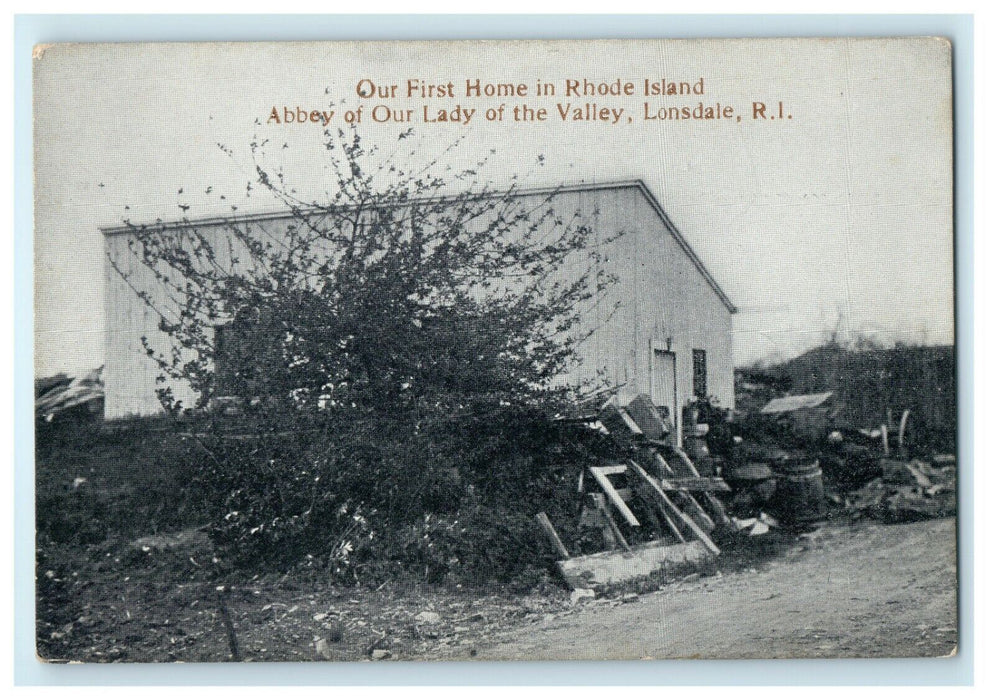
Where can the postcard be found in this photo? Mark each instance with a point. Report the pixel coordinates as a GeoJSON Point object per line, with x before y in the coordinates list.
{"type": "Point", "coordinates": [495, 350]}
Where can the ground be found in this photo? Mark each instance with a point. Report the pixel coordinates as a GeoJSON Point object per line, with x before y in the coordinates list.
{"type": "Point", "coordinates": [849, 589]}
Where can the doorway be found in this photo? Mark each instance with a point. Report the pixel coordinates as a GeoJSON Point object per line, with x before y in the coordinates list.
{"type": "Point", "coordinates": [664, 385]}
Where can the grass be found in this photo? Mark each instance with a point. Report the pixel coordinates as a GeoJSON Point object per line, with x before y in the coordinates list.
{"type": "Point", "coordinates": [96, 482]}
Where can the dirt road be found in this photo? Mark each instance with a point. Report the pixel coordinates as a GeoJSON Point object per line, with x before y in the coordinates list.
{"type": "Point", "coordinates": [853, 590]}
{"type": "Point", "coordinates": [870, 590]}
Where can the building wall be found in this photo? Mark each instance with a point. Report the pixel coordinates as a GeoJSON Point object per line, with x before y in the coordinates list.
{"type": "Point", "coordinates": [660, 300]}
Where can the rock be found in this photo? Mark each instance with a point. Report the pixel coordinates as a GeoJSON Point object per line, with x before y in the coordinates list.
{"type": "Point", "coordinates": [321, 646]}
{"type": "Point", "coordinates": [379, 654]}
{"type": "Point", "coordinates": [581, 594]}
{"type": "Point", "coordinates": [427, 617]}
{"type": "Point", "coordinates": [759, 528]}
{"type": "Point", "coordinates": [769, 520]}
{"type": "Point", "coordinates": [335, 632]}
{"type": "Point", "coordinates": [743, 524]}
{"type": "Point", "coordinates": [630, 598]}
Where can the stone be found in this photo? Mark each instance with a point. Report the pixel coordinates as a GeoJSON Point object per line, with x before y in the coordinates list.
{"type": "Point", "coordinates": [581, 594]}
{"type": "Point", "coordinates": [427, 617]}
{"type": "Point", "coordinates": [321, 646]}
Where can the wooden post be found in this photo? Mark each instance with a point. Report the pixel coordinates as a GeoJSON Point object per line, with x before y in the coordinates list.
{"type": "Point", "coordinates": [550, 531]}
{"type": "Point", "coordinates": [903, 451]}
{"type": "Point", "coordinates": [229, 626]}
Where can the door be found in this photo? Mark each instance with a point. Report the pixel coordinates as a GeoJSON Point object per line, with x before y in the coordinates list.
{"type": "Point", "coordinates": [664, 388]}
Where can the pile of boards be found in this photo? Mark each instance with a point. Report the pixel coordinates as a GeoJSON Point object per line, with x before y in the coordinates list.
{"type": "Point", "coordinates": [908, 490]}
{"type": "Point", "coordinates": [60, 393]}
{"type": "Point", "coordinates": [649, 510]}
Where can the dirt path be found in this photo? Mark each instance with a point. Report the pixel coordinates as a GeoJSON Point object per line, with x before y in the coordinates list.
{"type": "Point", "coordinates": [854, 590]}
{"type": "Point", "coordinates": [870, 590]}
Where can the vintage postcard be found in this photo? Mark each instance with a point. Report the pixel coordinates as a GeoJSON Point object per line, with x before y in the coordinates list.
{"type": "Point", "coordinates": [503, 350]}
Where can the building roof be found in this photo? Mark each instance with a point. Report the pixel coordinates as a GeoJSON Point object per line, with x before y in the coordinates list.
{"type": "Point", "coordinates": [787, 404]}
{"type": "Point", "coordinates": [578, 187]}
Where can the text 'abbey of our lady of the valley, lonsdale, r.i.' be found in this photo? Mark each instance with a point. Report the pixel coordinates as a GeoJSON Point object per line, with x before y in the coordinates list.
{"type": "Point", "coordinates": [571, 100]}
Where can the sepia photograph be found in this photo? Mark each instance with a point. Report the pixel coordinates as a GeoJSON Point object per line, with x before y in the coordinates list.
{"type": "Point", "coordinates": [495, 350]}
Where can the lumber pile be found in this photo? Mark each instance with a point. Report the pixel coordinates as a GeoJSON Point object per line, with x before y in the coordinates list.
{"type": "Point", "coordinates": [651, 509]}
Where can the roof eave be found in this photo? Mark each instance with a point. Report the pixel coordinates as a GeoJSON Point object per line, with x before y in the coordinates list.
{"type": "Point", "coordinates": [685, 246]}
{"type": "Point", "coordinates": [579, 187]}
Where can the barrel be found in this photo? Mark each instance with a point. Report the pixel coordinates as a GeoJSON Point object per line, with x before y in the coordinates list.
{"type": "Point", "coordinates": [800, 496]}
{"type": "Point", "coordinates": [744, 476]}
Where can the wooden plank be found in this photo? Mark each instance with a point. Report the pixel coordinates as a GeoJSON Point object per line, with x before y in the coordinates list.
{"type": "Point", "coordinates": [606, 568]}
{"type": "Point", "coordinates": [683, 466]}
{"type": "Point", "coordinates": [591, 516]}
{"type": "Point", "coordinates": [686, 461]}
{"type": "Point", "coordinates": [645, 415]}
{"type": "Point", "coordinates": [612, 469]}
{"type": "Point", "coordinates": [613, 496]}
{"type": "Point", "coordinates": [681, 515]}
{"type": "Point", "coordinates": [619, 423]}
{"type": "Point", "coordinates": [672, 525]}
{"type": "Point", "coordinates": [662, 465]}
{"type": "Point", "coordinates": [550, 531]}
{"type": "Point", "coordinates": [718, 510]}
{"type": "Point", "coordinates": [650, 508]}
{"type": "Point", "coordinates": [695, 484]}
{"type": "Point", "coordinates": [599, 501]}
{"type": "Point", "coordinates": [689, 504]}
{"type": "Point", "coordinates": [640, 488]}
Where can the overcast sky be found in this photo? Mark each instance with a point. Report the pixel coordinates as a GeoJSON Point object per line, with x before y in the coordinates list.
{"type": "Point", "coordinates": [840, 217]}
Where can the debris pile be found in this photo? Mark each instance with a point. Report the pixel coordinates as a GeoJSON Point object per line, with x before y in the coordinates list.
{"type": "Point", "coordinates": [60, 393]}
{"type": "Point", "coordinates": [788, 445]}
{"type": "Point", "coordinates": [643, 505]}
{"type": "Point", "coordinates": [906, 491]}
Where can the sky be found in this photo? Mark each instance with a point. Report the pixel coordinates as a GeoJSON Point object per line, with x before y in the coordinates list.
{"type": "Point", "coordinates": [839, 219]}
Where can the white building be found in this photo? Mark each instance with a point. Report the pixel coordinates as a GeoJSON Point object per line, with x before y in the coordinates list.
{"type": "Point", "coordinates": [670, 335]}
